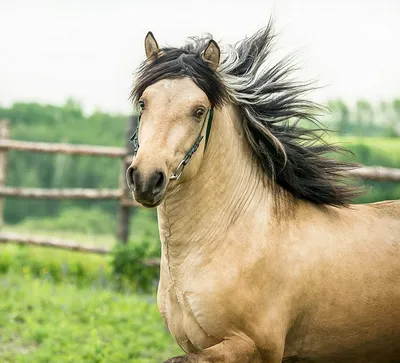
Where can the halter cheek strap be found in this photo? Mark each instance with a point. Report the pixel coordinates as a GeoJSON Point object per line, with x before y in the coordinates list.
{"type": "Point", "coordinates": [192, 150]}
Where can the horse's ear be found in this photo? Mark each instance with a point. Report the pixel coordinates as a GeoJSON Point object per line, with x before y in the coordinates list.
{"type": "Point", "coordinates": [150, 45]}
{"type": "Point", "coordinates": [212, 54]}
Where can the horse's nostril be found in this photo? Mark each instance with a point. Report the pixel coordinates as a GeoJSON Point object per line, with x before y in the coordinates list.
{"type": "Point", "coordinates": [159, 186]}
{"type": "Point", "coordinates": [129, 177]}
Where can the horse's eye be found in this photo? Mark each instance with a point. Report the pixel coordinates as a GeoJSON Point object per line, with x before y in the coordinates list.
{"type": "Point", "coordinates": [141, 104]}
{"type": "Point", "coordinates": [199, 113]}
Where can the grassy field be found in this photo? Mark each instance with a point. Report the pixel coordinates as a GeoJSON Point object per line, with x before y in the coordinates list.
{"type": "Point", "coordinates": [59, 265]}
{"type": "Point", "coordinates": [45, 322]}
{"type": "Point", "coordinates": [88, 226]}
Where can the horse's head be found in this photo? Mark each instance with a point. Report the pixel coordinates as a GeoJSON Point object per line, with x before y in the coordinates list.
{"type": "Point", "coordinates": [175, 94]}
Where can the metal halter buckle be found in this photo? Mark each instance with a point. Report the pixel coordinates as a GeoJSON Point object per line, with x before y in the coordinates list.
{"type": "Point", "coordinates": [135, 137]}
{"type": "Point", "coordinates": [178, 171]}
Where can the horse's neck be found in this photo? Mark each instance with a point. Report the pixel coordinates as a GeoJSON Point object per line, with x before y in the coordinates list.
{"type": "Point", "coordinates": [229, 187]}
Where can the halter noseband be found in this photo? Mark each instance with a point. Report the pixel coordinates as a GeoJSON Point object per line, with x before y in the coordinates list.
{"type": "Point", "coordinates": [192, 150]}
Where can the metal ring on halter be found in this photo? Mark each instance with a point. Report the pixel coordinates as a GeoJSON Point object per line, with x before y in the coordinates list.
{"type": "Point", "coordinates": [178, 171]}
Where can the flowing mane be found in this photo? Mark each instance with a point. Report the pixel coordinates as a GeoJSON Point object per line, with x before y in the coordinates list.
{"type": "Point", "coordinates": [270, 101]}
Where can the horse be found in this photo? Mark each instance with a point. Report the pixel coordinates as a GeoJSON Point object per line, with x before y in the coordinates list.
{"type": "Point", "coordinates": [264, 256]}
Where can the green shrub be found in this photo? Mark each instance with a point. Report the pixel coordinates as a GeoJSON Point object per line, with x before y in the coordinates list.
{"type": "Point", "coordinates": [129, 263]}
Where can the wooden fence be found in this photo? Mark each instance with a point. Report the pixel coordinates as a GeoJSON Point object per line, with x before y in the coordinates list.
{"type": "Point", "coordinates": [122, 194]}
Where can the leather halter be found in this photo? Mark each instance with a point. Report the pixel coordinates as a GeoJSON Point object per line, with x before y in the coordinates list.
{"type": "Point", "coordinates": [192, 150]}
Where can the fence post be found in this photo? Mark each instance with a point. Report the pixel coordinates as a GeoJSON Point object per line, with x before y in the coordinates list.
{"type": "Point", "coordinates": [4, 134]}
{"type": "Point", "coordinates": [124, 208]}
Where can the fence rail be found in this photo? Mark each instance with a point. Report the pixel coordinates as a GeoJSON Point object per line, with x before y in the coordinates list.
{"type": "Point", "coordinates": [43, 241]}
{"type": "Point", "coordinates": [69, 149]}
{"type": "Point", "coordinates": [39, 193]}
{"type": "Point", "coordinates": [378, 173]}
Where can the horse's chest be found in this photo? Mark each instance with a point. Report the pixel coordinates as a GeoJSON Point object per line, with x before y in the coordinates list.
{"type": "Point", "coordinates": [185, 314]}
{"type": "Point", "coordinates": [187, 302]}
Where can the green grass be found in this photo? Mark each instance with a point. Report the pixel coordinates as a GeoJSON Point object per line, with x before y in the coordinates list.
{"type": "Point", "coordinates": [56, 264]}
{"type": "Point", "coordinates": [122, 269]}
{"type": "Point", "coordinates": [45, 322]}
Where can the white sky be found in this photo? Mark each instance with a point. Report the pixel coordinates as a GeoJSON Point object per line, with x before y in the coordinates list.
{"type": "Point", "coordinates": [87, 49]}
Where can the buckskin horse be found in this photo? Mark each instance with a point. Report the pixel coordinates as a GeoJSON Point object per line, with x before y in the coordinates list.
{"type": "Point", "coordinates": [264, 258]}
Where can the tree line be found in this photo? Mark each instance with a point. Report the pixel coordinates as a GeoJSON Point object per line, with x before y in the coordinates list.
{"type": "Point", "coordinates": [365, 118]}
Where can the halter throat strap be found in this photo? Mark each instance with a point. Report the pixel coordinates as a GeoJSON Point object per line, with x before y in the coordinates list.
{"type": "Point", "coordinates": [192, 150]}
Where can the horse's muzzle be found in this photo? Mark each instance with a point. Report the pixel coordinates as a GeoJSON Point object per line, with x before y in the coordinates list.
{"type": "Point", "coordinates": [148, 190]}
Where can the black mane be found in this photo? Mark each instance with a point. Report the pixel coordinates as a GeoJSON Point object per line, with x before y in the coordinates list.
{"type": "Point", "coordinates": [291, 155]}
